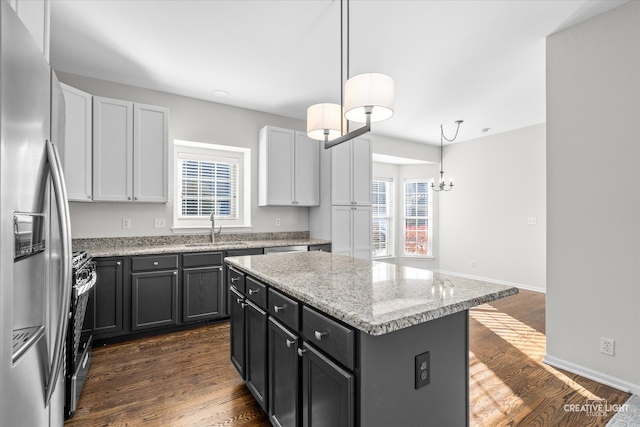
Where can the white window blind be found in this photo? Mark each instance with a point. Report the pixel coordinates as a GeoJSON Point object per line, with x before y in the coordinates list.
{"type": "Point", "coordinates": [416, 218]}
{"type": "Point", "coordinates": [206, 184]}
{"type": "Point", "coordinates": [381, 212]}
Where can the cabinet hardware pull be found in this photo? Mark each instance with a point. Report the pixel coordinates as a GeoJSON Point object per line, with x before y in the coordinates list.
{"type": "Point", "coordinates": [301, 351]}
{"type": "Point", "coordinates": [155, 262]}
{"type": "Point", "coordinates": [319, 335]}
{"type": "Point", "coordinates": [290, 343]}
{"type": "Point", "coordinates": [243, 305]}
{"type": "Point", "coordinates": [118, 263]}
{"type": "Point", "coordinates": [277, 309]}
{"type": "Point", "coordinates": [175, 273]}
{"type": "Point", "coordinates": [253, 291]}
{"type": "Point", "coordinates": [239, 300]}
{"type": "Point", "coordinates": [234, 279]}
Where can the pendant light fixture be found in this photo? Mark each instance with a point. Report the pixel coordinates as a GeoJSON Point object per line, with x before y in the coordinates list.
{"type": "Point", "coordinates": [442, 186]}
{"type": "Point", "coordinates": [367, 98]}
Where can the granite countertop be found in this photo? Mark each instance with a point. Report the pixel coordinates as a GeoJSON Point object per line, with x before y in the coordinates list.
{"type": "Point", "coordinates": [111, 247]}
{"type": "Point", "coordinates": [373, 297]}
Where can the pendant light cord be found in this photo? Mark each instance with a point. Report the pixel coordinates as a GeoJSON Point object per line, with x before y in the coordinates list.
{"type": "Point", "coordinates": [343, 48]}
{"type": "Point", "coordinates": [459, 122]}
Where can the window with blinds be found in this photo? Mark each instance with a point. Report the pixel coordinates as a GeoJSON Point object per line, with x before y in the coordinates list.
{"type": "Point", "coordinates": [208, 185]}
{"type": "Point", "coordinates": [381, 213]}
{"type": "Point", "coordinates": [416, 218]}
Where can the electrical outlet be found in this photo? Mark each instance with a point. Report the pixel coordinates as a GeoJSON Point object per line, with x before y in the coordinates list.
{"type": "Point", "coordinates": [126, 222]}
{"type": "Point", "coordinates": [278, 221]}
{"type": "Point", "coordinates": [423, 370]}
{"type": "Point", "coordinates": [160, 223]}
{"type": "Point", "coordinates": [532, 220]}
{"type": "Point", "coordinates": [473, 264]}
{"type": "Point", "coordinates": [607, 346]}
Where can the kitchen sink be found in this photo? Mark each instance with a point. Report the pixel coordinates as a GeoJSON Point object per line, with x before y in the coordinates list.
{"type": "Point", "coordinates": [220, 245]}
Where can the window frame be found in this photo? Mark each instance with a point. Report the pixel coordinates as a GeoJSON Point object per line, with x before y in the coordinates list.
{"type": "Point", "coordinates": [428, 217]}
{"type": "Point", "coordinates": [200, 151]}
{"type": "Point", "coordinates": [390, 246]}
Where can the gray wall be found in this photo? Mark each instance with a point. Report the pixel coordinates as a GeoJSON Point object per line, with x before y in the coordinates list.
{"type": "Point", "coordinates": [499, 184]}
{"type": "Point", "coordinates": [593, 197]}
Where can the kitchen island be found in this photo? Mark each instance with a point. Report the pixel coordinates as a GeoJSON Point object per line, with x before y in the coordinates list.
{"type": "Point", "coordinates": [325, 339]}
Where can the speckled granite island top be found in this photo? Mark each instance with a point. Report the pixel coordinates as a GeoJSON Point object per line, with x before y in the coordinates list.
{"type": "Point", "coordinates": [376, 298]}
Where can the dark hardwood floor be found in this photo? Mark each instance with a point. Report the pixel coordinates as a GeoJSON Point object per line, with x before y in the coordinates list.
{"type": "Point", "coordinates": [186, 378]}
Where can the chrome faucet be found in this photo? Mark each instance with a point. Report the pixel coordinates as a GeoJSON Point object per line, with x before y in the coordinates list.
{"type": "Point", "coordinates": [213, 227]}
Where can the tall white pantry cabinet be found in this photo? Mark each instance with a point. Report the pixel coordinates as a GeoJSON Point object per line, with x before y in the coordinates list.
{"type": "Point", "coordinates": [344, 214]}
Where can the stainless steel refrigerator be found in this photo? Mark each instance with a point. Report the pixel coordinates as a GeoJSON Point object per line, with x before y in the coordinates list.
{"type": "Point", "coordinates": [35, 241]}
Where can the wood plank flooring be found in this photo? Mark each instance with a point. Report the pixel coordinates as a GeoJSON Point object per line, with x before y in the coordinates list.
{"type": "Point", "coordinates": [186, 378]}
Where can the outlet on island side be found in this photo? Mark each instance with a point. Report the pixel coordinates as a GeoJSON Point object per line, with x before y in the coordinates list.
{"type": "Point", "coordinates": [423, 370]}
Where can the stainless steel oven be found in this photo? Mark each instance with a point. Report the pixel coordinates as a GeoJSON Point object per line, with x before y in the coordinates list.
{"type": "Point", "coordinates": [78, 352]}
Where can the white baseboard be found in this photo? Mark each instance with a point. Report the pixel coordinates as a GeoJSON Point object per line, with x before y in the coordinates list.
{"type": "Point", "coordinates": [600, 377]}
{"type": "Point", "coordinates": [500, 282]}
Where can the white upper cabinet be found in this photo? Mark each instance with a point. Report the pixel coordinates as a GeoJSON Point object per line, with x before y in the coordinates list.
{"type": "Point", "coordinates": [351, 173]}
{"type": "Point", "coordinates": [151, 153]}
{"type": "Point", "coordinates": [289, 168]}
{"type": "Point", "coordinates": [34, 14]}
{"type": "Point", "coordinates": [130, 151]}
{"type": "Point", "coordinates": [77, 157]}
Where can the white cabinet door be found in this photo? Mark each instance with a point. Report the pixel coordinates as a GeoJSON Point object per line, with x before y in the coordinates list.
{"type": "Point", "coordinates": [341, 174]}
{"type": "Point", "coordinates": [112, 150]}
{"type": "Point", "coordinates": [275, 169]}
{"type": "Point", "coordinates": [306, 181]}
{"type": "Point", "coordinates": [351, 231]}
{"type": "Point", "coordinates": [34, 14]}
{"type": "Point", "coordinates": [361, 229]}
{"type": "Point", "coordinates": [361, 172]}
{"type": "Point", "coordinates": [288, 168]}
{"type": "Point", "coordinates": [151, 153]}
{"type": "Point", "coordinates": [341, 235]}
{"type": "Point", "coordinates": [351, 173]}
{"type": "Point", "coordinates": [77, 158]}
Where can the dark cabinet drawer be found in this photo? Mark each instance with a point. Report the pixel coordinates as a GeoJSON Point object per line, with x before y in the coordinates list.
{"type": "Point", "coordinates": [329, 336]}
{"type": "Point", "coordinates": [202, 259]}
{"type": "Point", "coordinates": [154, 262]}
{"type": "Point", "coordinates": [256, 292]}
{"type": "Point", "coordinates": [284, 309]}
{"type": "Point", "coordinates": [236, 279]}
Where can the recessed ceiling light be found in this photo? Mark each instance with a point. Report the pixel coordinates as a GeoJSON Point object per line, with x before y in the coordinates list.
{"type": "Point", "coordinates": [220, 93]}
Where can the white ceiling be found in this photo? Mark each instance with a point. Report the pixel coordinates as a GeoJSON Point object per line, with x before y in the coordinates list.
{"type": "Point", "coordinates": [476, 60]}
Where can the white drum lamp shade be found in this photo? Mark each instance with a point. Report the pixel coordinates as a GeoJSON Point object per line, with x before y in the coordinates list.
{"type": "Point", "coordinates": [323, 118]}
{"type": "Point", "coordinates": [373, 90]}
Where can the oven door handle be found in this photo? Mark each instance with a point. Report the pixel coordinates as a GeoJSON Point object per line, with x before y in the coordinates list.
{"type": "Point", "coordinates": [65, 284]}
{"type": "Point", "coordinates": [86, 287]}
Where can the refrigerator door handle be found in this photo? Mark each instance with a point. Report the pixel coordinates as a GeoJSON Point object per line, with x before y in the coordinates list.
{"type": "Point", "coordinates": [62, 205]}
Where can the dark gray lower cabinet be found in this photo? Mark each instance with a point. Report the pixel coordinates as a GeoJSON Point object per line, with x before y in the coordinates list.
{"type": "Point", "coordinates": [256, 351]}
{"type": "Point", "coordinates": [104, 309]}
{"type": "Point", "coordinates": [236, 315]}
{"type": "Point", "coordinates": [327, 391]}
{"type": "Point", "coordinates": [203, 293]}
{"type": "Point", "coordinates": [284, 376]}
{"type": "Point", "coordinates": [154, 299]}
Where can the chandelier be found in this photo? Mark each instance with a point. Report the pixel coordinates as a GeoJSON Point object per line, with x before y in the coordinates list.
{"type": "Point", "coordinates": [442, 186]}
